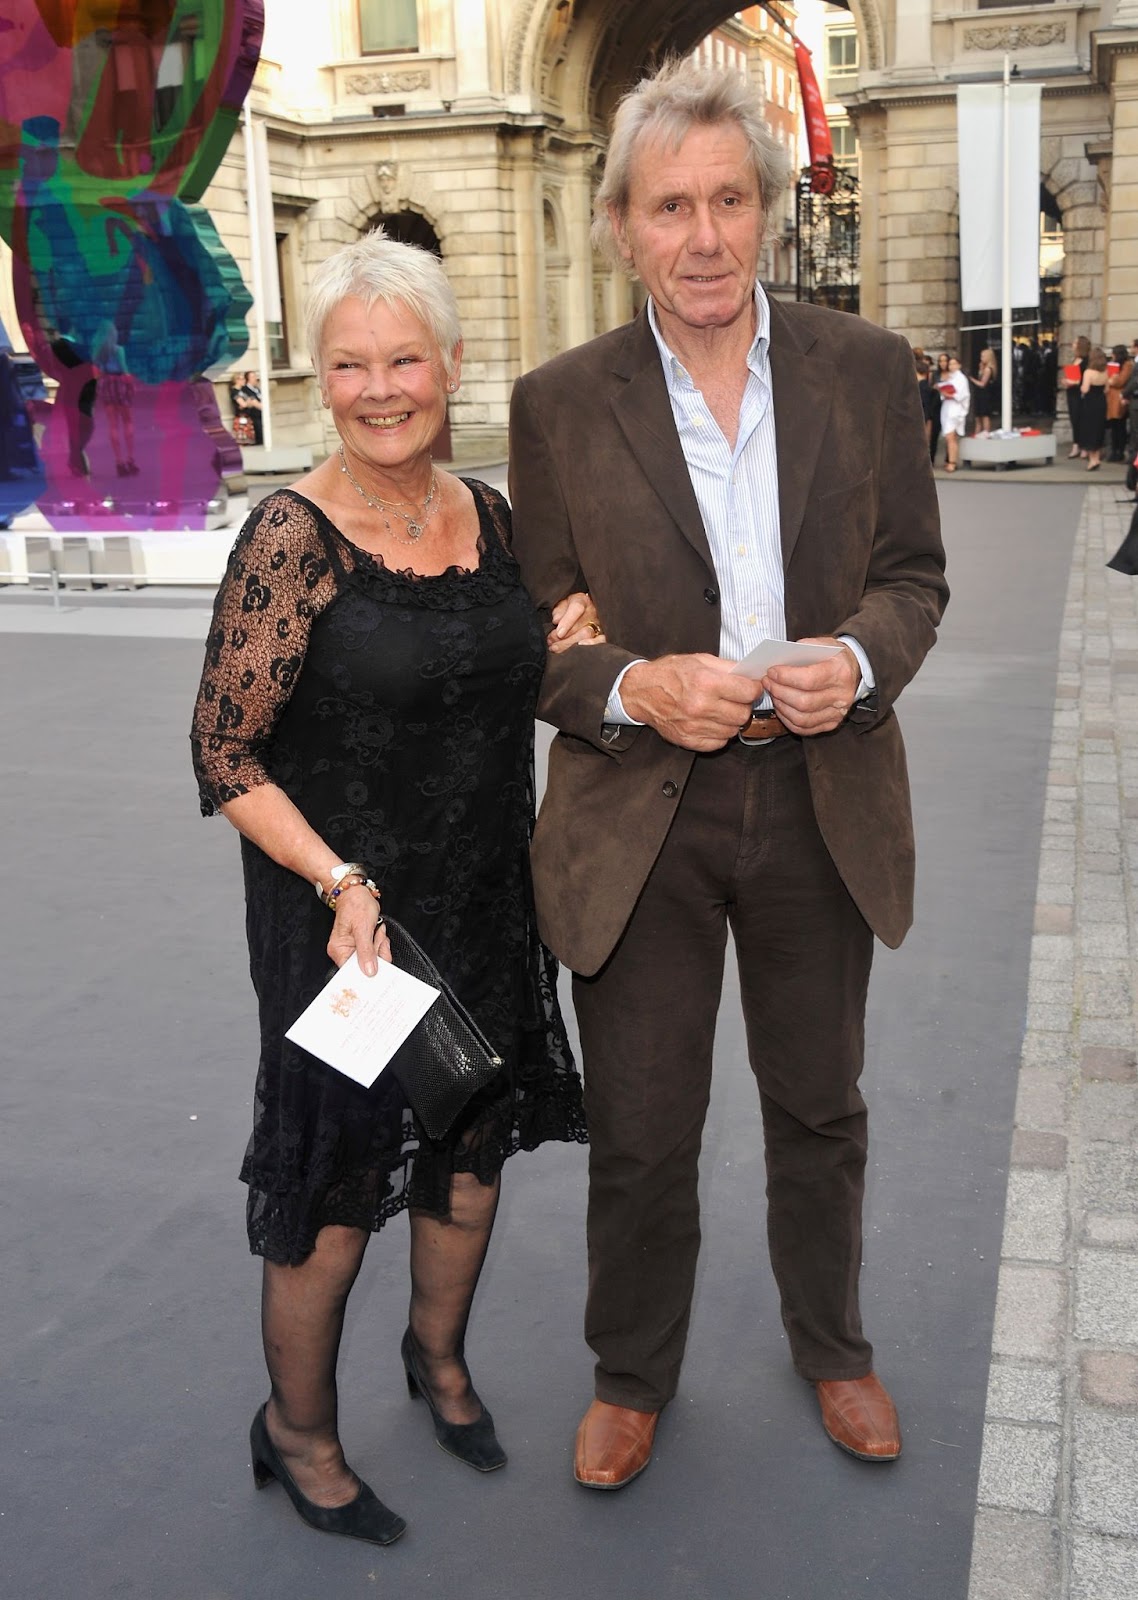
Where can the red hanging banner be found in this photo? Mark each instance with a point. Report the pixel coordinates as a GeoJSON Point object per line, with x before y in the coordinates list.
{"type": "Point", "coordinates": [817, 128]}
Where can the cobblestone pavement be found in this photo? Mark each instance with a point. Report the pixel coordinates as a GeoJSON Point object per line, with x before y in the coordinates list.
{"type": "Point", "coordinates": [1057, 1517]}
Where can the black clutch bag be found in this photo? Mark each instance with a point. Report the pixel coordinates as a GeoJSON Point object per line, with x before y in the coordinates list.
{"type": "Point", "coordinates": [447, 1058]}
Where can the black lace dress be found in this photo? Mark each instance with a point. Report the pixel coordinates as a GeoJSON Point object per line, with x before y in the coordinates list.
{"type": "Point", "coordinates": [396, 711]}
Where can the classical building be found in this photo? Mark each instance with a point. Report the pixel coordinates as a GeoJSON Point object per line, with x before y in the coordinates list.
{"type": "Point", "coordinates": [478, 127]}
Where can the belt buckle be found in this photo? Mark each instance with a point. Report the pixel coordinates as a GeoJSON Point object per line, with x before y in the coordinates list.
{"type": "Point", "coordinates": [753, 744]}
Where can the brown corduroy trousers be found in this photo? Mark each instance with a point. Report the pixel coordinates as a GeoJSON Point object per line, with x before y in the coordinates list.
{"type": "Point", "coordinates": [744, 849]}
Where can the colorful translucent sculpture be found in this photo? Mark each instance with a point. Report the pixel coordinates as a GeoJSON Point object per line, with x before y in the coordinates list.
{"type": "Point", "coordinates": [114, 115]}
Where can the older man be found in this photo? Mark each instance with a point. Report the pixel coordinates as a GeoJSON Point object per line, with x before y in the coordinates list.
{"type": "Point", "coordinates": [723, 470]}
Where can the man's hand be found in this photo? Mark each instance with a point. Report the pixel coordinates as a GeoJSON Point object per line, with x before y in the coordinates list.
{"type": "Point", "coordinates": [817, 698]}
{"type": "Point", "coordinates": [694, 701]}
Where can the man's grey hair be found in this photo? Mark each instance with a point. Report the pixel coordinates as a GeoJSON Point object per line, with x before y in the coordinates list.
{"type": "Point", "coordinates": [679, 97]}
{"type": "Point", "coordinates": [377, 268]}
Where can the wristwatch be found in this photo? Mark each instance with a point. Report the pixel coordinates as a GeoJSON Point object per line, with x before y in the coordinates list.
{"type": "Point", "coordinates": [336, 876]}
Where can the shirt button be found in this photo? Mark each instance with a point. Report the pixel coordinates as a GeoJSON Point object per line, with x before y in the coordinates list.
{"type": "Point", "coordinates": [752, 621]}
{"type": "Point", "coordinates": [742, 549]}
{"type": "Point", "coordinates": [670, 790]}
{"type": "Point", "coordinates": [711, 596]}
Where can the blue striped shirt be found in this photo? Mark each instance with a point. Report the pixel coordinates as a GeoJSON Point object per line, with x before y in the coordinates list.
{"type": "Point", "coordinates": [736, 490]}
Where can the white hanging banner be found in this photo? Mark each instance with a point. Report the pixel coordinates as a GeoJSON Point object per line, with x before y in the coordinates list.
{"type": "Point", "coordinates": [980, 140]}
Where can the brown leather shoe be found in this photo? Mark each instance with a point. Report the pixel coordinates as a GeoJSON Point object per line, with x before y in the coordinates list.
{"type": "Point", "coordinates": [614, 1445]}
{"type": "Point", "coordinates": [859, 1416]}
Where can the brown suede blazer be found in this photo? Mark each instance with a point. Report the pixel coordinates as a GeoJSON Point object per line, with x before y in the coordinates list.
{"type": "Point", "coordinates": [602, 501]}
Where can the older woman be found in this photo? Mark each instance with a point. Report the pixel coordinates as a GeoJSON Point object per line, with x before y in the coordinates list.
{"type": "Point", "coordinates": [366, 713]}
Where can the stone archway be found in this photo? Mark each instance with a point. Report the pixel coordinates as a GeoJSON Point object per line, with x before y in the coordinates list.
{"type": "Point", "coordinates": [578, 58]}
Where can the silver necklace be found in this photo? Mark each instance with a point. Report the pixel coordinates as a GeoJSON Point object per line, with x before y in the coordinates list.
{"type": "Point", "coordinates": [416, 520]}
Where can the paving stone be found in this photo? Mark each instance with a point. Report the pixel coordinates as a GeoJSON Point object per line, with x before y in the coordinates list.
{"type": "Point", "coordinates": [1019, 1392]}
{"type": "Point", "coordinates": [1014, 1554]}
{"type": "Point", "coordinates": [1031, 1303]}
{"type": "Point", "coordinates": [1041, 1099]}
{"type": "Point", "coordinates": [1101, 1569]}
{"type": "Point", "coordinates": [1104, 1030]}
{"type": "Point", "coordinates": [1110, 1064]}
{"type": "Point", "coordinates": [1047, 1049]}
{"type": "Point", "coordinates": [1106, 1297]}
{"type": "Point", "coordinates": [1051, 991]}
{"type": "Point", "coordinates": [1110, 1227]}
{"type": "Point", "coordinates": [1034, 1149]}
{"type": "Point", "coordinates": [1054, 919]}
{"type": "Point", "coordinates": [1053, 1017]}
{"type": "Point", "coordinates": [1106, 997]}
{"type": "Point", "coordinates": [1052, 947]}
{"type": "Point", "coordinates": [1035, 1221]}
{"type": "Point", "coordinates": [1099, 862]}
{"type": "Point", "coordinates": [1104, 1472]}
{"type": "Point", "coordinates": [1019, 1467]}
{"type": "Point", "coordinates": [1107, 1378]}
{"type": "Point", "coordinates": [1099, 910]}
{"type": "Point", "coordinates": [1109, 1111]}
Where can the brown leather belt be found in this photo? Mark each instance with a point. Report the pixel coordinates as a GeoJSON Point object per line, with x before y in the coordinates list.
{"type": "Point", "coordinates": [763, 725]}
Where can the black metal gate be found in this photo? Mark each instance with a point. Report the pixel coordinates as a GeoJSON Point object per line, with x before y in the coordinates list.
{"type": "Point", "coordinates": [829, 235]}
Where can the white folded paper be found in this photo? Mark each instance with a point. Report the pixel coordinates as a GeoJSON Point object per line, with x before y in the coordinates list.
{"type": "Point", "coordinates": [778, 653]}
{"type": "Point", "coordinates": [356, 1023]}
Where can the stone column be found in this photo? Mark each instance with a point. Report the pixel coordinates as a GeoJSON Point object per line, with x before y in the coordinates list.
{"type": "Point", "coordinates": [1120, 297]}
{"type": "Point", "coordinates": [913, 35]}
{"type": "Point", "coordinates": [577, 200]}
{"type": "Point", "coordinates": [524, 167]}
{"type": "Point", "coordinates": [471, 53]}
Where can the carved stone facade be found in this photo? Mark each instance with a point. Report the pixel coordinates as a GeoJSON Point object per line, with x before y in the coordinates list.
{"type": "Point", "coordinates": [487, 141]}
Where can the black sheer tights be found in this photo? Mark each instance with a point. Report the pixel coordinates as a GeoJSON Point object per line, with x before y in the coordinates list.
{"type": "Point", "coordinates": [446, 1259]}
{"type": "Point", "coordinates": [302, 1318]}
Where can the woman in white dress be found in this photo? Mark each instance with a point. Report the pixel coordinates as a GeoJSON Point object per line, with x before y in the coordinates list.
{"type": "Point", "coordinates": [953, 387]}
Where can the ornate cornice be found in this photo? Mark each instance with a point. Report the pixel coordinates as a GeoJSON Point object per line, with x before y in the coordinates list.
{"type": "Point", "coordinates": [1015, 36]}
{"type": "Point", "coordinates": [387, 82]}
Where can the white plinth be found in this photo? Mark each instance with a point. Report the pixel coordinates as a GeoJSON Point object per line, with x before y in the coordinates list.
{"type": "Point", "coordinates": [1019, 450]}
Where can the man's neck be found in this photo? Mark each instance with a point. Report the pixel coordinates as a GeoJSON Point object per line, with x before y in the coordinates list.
{"type": "Point", "coordinates": [718, 349]}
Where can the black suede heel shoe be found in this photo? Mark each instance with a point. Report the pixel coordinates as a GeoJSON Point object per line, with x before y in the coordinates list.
{"type": "Point", "coordinates": [476, 1443]}
{"type": "Point", "coordinates": [365, 1517]}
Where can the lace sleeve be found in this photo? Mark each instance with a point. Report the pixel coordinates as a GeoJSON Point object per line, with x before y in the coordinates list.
{"type": "Point", "coordinates": [498, 508]}
{"type": "Point", "coordinates": [278, 580]}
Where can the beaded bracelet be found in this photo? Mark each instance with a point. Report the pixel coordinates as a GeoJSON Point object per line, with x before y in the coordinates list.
{"type": "Point", "coordinates": [349, 883]}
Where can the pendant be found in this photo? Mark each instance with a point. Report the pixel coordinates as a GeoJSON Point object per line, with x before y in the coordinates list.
{"type": "Point", "coordinates": [415, 530]}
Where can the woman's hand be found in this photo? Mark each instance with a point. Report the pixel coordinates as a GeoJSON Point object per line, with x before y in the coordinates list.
{"type": "Point", "coordinates": [575, 621]}
{"type": "Point", "coordinates": [357, 929]}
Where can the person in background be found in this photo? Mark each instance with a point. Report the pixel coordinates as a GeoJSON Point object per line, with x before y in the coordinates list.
{"type": "Point", "coordinates": [984, 392]}
{"type": "Point", "coordinates": [1092, 409]}
{"type": "Point", "coordinates": [245, 393]}
{"type": "Point", "coordinates": [1117, 402]}
{"type": "Point", "coordinates": [954, 399]}
{"type": "Point", "coordinates": [1073, 384]}
{"type": "Point", "coordinates": [930, 403]}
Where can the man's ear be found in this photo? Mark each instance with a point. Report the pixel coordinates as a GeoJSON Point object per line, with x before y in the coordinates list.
{"type": "Point", "coordinates": [620, 232]}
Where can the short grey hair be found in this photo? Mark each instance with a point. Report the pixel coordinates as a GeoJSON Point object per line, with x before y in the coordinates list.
{"type": "Point", "coordinates": [376, 268]}
{"type": "Point", "coordinates": [681, 96]}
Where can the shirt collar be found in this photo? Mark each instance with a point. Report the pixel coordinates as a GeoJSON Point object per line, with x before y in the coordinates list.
{"type": "Point", "coordinates": [757, 356]}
